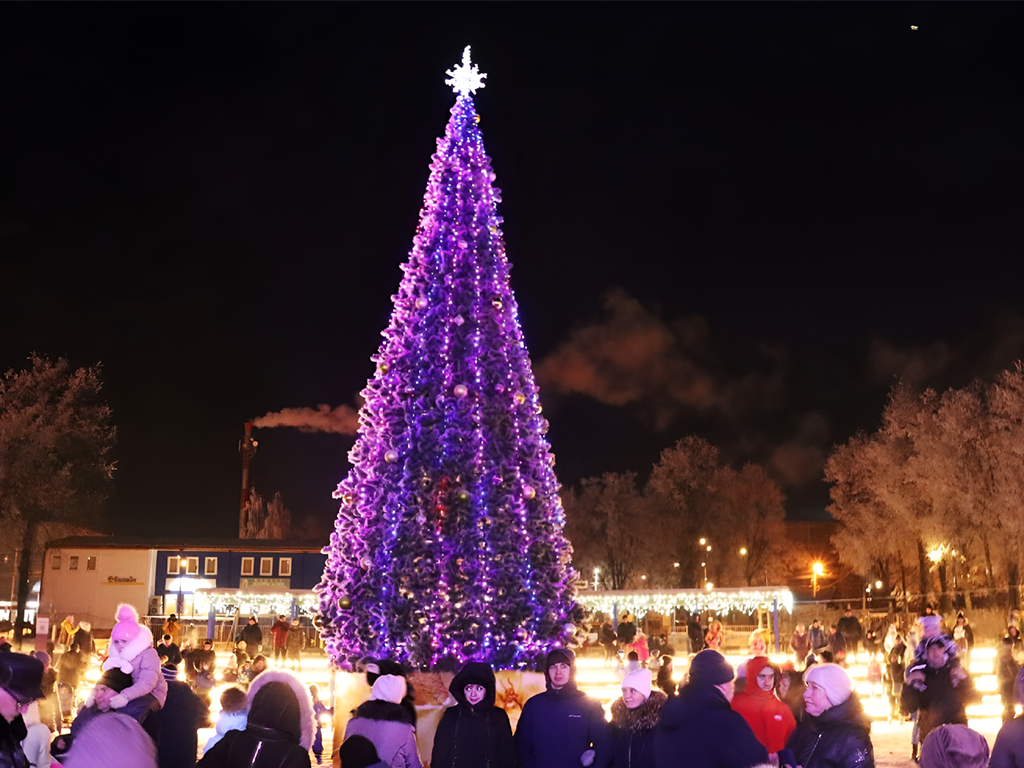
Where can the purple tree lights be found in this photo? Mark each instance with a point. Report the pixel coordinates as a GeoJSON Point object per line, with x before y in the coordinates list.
{"type": "Point", "coordinates": [449, 540]}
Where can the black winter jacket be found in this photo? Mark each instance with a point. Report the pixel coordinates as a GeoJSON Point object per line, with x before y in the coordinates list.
{"type": "Point", "coordinates": [837, 738]}
{"type": "Point", "coordinates": [1008, 751]}
{"type": "Point", "coordinates": [941, 702]}
{"type": "Point", "coordinates": [633, 731]}
{"type": "Point", "coordinates": [557, 727]}
{"type": "Point", "coordinates": [11, 735]}
{"type": "Point", "coordinates": [699, 729]}
{"type": "Point", "coordinates": [255, 747]}
{"type": "Point", "coordinates": [474, 736]}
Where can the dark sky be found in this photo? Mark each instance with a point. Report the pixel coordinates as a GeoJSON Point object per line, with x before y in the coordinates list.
{"type": "Point", "coordinates": [736, 220]}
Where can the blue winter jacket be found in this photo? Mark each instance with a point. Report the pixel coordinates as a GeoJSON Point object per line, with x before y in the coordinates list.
{"type": "Point", "coordinates": [557, 727]}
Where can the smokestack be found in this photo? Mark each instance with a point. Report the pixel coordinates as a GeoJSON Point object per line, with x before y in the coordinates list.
{"type": "Point", "coordinates": [246, 447]}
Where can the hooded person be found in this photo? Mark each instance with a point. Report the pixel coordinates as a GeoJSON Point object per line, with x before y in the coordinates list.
{"type": "Point", "coordinates": [562, 727]}
{"type": "Point", "coordinates": [835, 731]}
{"type": "Point", "coordinates": [180, 718]}
{"type": "Point", "coordinates": [279, 728]}
{"type": "Point", "coordinates": [954, 746]}
{"type": "Point", "coordinates": [770, 719]}
{"type": "Point", "coordinates": [699, 729]}
{"type": "Point", "coordinates": [635, 715]}
{"type": "Point", "coordinates": [474, 731]}
{"type": "Point", "coordinates": [385, 722]}
{"type": "Point", "coordinates": [1008, 749]}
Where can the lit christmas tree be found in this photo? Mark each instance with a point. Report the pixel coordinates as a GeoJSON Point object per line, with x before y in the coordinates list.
{"type": "Point", "coordinates": [449, 540]}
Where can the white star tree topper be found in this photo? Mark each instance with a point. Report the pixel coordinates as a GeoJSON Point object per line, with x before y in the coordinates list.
{"type": "Point", "coordinates": [466, 77]}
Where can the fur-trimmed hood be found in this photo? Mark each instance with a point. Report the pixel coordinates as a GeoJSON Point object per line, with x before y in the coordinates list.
{"type": "Point", "coordinates": [126, 660]}
{"type": "Point", "coordinates": [306, 718]}
{"type": "Point", "coordinates": [643, 718]}
{"type": "Point", "coordinates": [376, 709]}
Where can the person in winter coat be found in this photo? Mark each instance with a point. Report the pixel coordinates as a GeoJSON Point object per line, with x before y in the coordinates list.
{"type": "Point", "coordinates": [279, 731]}
{"type": "Point", "coordinates": [896, 666]}
{"type": "Point", "coordinates": [131, 651]}
{"type": "Point", "coordinates": [111, 740]}
{"type": "Point", "coordinates": [253, 636]}
{"type": "Point", "coordinates": [85, 642]}
{"type": "Point", "coordinates": [234, 715]}
{"type": "Point", "coordinates": [181, 717]}
{"type": "Point", "coordinates": [800, 642]}
{"type": "Point", "coordinates": [474, 733]}
{"type": "Point", "coordinates": [849, 627]}
{"type": "Point", "coordinates": [964, 637]}
{"type": "Point", "coordinates": [384, 721]}
{"type": "Point", "coordinates": [664, 679]}
{"type": "Point", "coordinates": [36, 743]}
{"type": "Point", "coordinates": [1008, 750]}
{"type": "Point", "coordinates": [938, 690]}
{"type": "Point", "coordinates": [562, 727]}
{"type": "Point", "coordinates": [819, 640]}
{"type": "Point", "coordinates": [771, 721]}
{"type": "Point", "coordinates": [789, 687]}
{"type": "Point", "coordinates": [378, 667]}
{"type": "Point", "coordinates": [322, 713]}
{"type": "Point", "coordinates": [280, 632]}
{"type": "Point", "coordinates": [21, 679]}
{"type": "Point", "coordinates": [954, 746]}
{"type": "Point", "coordinates": [294, 643]}
{"type": "Point", "coordinates": [835, 732]}
{"type": "Point", "coordinates": [713, 638]}
{"type": "Point", "coordinates": [635, 715]}
{"type": "Point", "coordinates": [1007, 668]}
{"type": "Point", "coordinates": [172, 627]}
{"type": "Point", "coordinates": [699, 728]}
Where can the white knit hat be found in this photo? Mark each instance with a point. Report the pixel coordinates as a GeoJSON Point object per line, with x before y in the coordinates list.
{"type": "Point", "coordinates": [639, 679]}
{"type": "Point", "coordinates": [389, 688]}
{"type": "Point", "coordinates": [834, 679]}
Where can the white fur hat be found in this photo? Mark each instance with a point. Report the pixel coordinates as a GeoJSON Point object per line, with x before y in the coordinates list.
{"type": "Point", "coordinates": [640, 680]}
{"type": "Point", "coordinates": [389, 688]}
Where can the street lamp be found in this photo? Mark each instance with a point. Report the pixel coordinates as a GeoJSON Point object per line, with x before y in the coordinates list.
{"type": "Point", "coordinates": [817, 570]}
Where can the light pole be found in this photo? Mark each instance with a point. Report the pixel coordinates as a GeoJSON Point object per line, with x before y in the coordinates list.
{"type": "Point", "coordinates": [816, 570]}
{"type": "Point", "coordinates": [707, 548]}
{"type": "Point", "coordinates": [596, 571]}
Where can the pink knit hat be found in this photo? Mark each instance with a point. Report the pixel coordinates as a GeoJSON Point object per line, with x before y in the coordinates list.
{"type": "Point", "coordinates": [127, 627]}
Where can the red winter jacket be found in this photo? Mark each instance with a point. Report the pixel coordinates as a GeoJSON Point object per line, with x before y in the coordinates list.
{"type": "Point", "coordinates": [770, 719]}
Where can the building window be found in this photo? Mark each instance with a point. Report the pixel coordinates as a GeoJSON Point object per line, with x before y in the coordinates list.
{"type": "Point", "coordinates": [284, 567]}
{"type": "Point", "coordinates": [73, 563]}
{"type": "Point", "coordinates": [266, 566]}
{"type": "Point", "coordinates": [174, 565]}
{"type": "Point", "coordinates": [247, 565]}
{"type": "Point", "coordinates": [90, 563]}
{"type": "Point", "coordinates": [192, 566]}
{"type": "Point", "coordinates": [55, 562]}
{"type": "Point", "coordinates": [210, 566]}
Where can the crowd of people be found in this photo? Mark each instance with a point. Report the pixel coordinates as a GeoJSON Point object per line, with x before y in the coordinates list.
{"type": "Point", "coordinates": [803, 713]}
{"type": "Point", "coordinates": [139, 714]}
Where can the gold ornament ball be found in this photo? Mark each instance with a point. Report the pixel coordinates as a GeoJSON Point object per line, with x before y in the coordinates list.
{"type": "Point", "coordinates": [344, 602]}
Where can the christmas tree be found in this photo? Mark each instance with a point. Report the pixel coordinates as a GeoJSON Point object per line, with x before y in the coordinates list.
{"type": "Point", "coordinates": [448, 542]}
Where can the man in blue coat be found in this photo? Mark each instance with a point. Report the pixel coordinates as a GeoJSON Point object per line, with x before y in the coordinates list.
{"type": "Point", "coordinates": [562, 727]}
{"type": "Point", "coordinates": [699, 728]}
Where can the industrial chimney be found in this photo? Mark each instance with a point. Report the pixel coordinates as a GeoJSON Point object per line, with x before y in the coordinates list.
{"type": "Point", "coordinates": [246, 447]}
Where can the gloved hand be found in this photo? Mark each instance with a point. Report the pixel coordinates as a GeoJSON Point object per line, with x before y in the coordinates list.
{"type": "Point", "coordinates": [118, 701]}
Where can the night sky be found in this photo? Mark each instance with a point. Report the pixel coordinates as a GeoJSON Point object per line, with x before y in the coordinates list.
{"type": "Point", "coordinates": [735, 220]}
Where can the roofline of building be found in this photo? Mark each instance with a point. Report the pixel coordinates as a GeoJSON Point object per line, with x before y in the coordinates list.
{"type": "Point", "coordinates": [182, 544]}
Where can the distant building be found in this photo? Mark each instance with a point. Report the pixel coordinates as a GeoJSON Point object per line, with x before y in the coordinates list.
{"type": "Point", "coordinates": [199, 579]}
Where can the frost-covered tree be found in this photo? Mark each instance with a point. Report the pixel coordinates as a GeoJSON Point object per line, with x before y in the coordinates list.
{"type": "Point", "coordinates": [56, 437]}
{"type": "Point", "coordinates": [448, 541]}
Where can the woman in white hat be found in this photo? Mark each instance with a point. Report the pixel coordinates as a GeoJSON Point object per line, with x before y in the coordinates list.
{"type": "Point", "coordinates": [635, 715]}
{"type": "Point", "coordinates": [835, 733]}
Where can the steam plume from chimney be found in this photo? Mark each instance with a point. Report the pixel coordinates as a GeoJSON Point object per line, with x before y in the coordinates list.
{"type": "Point", "coordinates": [343, 420]}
